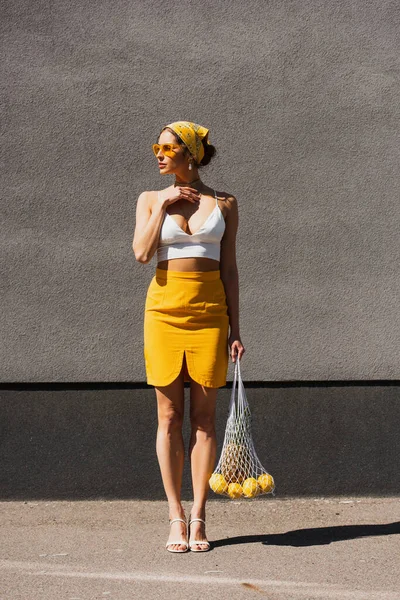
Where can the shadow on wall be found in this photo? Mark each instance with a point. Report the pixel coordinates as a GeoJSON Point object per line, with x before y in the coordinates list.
{"type": "Point", "coordinates": [100, 443]}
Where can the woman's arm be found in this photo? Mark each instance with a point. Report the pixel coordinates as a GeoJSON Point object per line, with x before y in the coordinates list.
{"type": "Point", "coordinates": [228, 267]}
{"type": "Point", "coordinates": [147, 228]}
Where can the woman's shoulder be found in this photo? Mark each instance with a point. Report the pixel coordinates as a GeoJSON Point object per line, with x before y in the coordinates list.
{"type": "Point", "coordinates": [227, 201]}
{"type": "Point", "coordinates": [225, 196]}
{"type": "Point", "coordinates": [149, 197]}
{"type": "Point", "coordinates": [149, 194]}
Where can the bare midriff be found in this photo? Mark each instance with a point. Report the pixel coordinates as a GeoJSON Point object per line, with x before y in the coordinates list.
{"type": "Point", "coordinates": [189, 264]}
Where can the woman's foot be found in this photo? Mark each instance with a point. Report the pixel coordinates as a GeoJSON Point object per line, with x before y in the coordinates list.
{"type": "Point", "coordinates": [178, 530]}
{"type": "Point", "coordinates": [198, 532]}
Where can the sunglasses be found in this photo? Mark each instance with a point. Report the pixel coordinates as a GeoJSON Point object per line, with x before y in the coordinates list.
{"type": "Point", "coordinates": [167, 149]}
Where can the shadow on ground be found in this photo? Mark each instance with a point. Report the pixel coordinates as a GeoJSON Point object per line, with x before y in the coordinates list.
{"type": "Point", "coordinates": [314, 536]}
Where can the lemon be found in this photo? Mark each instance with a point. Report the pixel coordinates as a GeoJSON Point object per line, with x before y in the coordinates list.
{"type": "Point", "coordinates": [235, 490]}
{"type": "Point", "coordinates": [251, 487]}
{"type": "Point", "coordinates": [266, 482]}
{"type": "Point", "coordinates": [218, 483]}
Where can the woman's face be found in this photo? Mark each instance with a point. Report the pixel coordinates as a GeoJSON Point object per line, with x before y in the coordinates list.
{"type": "Point", "coordinates": [175, 163]}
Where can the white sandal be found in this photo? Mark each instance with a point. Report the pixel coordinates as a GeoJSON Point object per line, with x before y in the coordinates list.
{"type": "Point", "coordinates": [181, 542]}
{"type": "Point", "coordinates": [194, 542]}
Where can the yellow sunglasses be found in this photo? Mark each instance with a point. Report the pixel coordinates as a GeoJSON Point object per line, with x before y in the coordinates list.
{"type": "Point", "coordinates": [167, 149]}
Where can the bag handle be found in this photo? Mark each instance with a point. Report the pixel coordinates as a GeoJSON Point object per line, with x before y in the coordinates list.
{"type": "Point", "coordinates": [237, 378]}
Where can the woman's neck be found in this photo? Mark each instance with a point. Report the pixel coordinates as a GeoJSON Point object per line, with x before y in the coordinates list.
{"type": "Point", "coordinates": [193, 182]}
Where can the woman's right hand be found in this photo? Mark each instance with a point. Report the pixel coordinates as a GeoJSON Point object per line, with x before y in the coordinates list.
{"type": "Point", "coordinates": [167, 197]}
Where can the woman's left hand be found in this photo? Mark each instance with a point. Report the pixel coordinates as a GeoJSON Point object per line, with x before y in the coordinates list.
{"type": "Point", "coordinates": [236, 347]}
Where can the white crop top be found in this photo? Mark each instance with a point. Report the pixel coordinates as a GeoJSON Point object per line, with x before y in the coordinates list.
{"type": "Point", "coordinates": [206, 241]}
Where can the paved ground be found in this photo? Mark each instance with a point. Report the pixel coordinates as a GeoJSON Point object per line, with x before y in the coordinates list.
{"type": "Point", "coordinates": [336, 548]}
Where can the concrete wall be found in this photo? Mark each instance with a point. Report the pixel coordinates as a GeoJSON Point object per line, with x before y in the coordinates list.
{"type": "Point", "coordinates": [319, 440]}
{"type": "Point", "coordinates": [301, 99]}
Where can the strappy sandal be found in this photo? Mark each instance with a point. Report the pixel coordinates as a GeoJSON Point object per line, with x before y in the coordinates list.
{"type": "Point", "coordinates": [194, 542]}
{"type": "Point", "coordinates": [181, 542]}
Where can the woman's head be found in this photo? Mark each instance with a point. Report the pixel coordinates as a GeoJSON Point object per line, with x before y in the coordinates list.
{"type": "Point", "coordinates": [190, 145]}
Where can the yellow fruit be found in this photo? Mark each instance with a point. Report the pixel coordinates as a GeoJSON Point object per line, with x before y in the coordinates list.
{"type": "Point", "coordinates": [251, 487]}
{"type": "Point", "coordinates": [217, 483]}
{"type": "Point", "coordinates": [234, 462]}
{"type": "Point", "coordinates": [234, 475]}
{"type": "Point", "coordinates": [266, 482]}
{"type": "Point", "coordinates": [235, 490]}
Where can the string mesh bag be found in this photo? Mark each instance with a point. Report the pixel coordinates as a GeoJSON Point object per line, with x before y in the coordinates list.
{"type": "Point", "coordinates": [239, 472]}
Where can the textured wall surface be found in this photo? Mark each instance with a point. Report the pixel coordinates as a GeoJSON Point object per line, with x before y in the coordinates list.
{"type": "Point", "coordinates": [90, 443]}
{"type": "Point", "coordinates": [302, 102]}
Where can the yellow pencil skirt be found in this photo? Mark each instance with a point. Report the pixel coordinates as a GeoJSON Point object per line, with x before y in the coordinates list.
{"type": "Point", "coordinates": [186, 314]}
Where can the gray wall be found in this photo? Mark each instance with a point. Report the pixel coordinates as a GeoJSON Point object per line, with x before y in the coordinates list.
{"type": "Point", "coordinates": [317, 440]}
{"type": "Point", "coordinates": [302, 102]}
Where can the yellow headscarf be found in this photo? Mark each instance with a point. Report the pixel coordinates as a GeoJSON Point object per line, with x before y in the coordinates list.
{"type": "Point", "coordinates": [191, 134]}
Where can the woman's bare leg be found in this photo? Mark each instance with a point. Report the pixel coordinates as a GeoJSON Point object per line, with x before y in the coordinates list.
{"type": "Point", "coordinates": [202, 452]}
{"type": "Point", "coordinates": [171, 452]}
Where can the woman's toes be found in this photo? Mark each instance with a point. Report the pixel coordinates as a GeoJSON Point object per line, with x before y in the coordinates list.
{"type": "Point", "coordinates": [178, 531]}
{"type": "Point", "coordinates": [197, 532]}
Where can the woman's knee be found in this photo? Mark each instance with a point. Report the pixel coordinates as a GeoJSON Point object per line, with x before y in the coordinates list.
{"type": "Point", "coordinates": [203, 421]}
{"type": "Point", "coordinates": [170, 413]}
{"type": "Point", "coordinates": [170, 406]}
{"type": "Point", "coordinates": [170, 419]}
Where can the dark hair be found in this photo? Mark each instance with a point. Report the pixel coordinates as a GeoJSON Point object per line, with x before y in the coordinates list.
{"type": "Point", "coordinates": [209, 149]}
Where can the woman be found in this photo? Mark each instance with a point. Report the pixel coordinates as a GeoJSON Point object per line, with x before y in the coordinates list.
{"type": "Point", "coordinates": [191, 301]}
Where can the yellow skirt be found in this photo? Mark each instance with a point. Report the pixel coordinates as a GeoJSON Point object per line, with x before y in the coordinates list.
{"type": "Point", "coordinates": [186, 313]}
